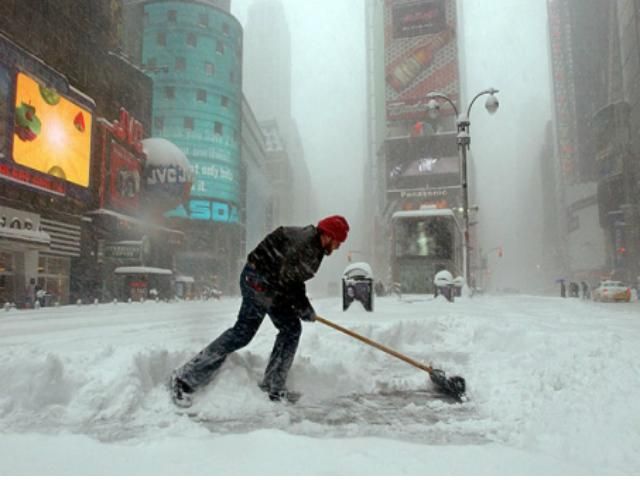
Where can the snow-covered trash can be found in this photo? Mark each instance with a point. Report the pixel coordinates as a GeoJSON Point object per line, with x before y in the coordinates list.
{"type": "Point", "coordinates": [444, 284]}
{"type": "Point", "coordinates": [357, 284]}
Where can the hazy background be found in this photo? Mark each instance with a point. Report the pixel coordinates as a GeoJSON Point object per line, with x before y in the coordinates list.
{"type": "Point", "coordinates": [504, 45]}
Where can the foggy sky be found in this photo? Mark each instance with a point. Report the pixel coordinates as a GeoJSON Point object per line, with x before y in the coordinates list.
{"type": "Point", "coordinates": [504, 45]}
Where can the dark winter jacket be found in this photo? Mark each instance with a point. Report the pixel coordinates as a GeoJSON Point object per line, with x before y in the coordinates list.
{"type": "Point", "coordinates": [286, 258]}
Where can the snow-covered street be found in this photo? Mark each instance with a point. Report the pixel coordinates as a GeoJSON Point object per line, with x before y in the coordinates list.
{"type": "Point", "coordinates": [552, 387]}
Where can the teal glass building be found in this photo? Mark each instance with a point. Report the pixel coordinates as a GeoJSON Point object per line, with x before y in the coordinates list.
{"type": "Point", "coordinates": [193, 51]}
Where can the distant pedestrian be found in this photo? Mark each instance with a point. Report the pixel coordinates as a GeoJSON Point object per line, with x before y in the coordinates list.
{"type": "Point", "coordinates": [563, 289]}
{"type": "Point", "coordinates": [30, 293]}
{"type": "Point", "coordinates": [586, 293]}
{"type": "Point", "coordinates": [574, 290]}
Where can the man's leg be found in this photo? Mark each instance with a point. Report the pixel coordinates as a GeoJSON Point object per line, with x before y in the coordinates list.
{"type": "Point", "coordinates": [284, 349]}
{"type": "Point", "coordinates": [200, 369]}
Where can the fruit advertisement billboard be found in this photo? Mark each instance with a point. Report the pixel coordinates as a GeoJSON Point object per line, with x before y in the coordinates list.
{"type": "Point", "coordinates": [52, 134]}
{"type": "Point", "coordinates": [45, 127]}
{"type": "Point", "coordinates": [421, 55]}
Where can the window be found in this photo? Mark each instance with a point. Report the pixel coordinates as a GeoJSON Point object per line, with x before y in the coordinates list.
{"type": "Point", "coordinates": [224, 101]}
{"type": "Point", "coordinates": [170, 92]}
{"type": "Point", "coordinates": [225, 29]}
{"type": "Point", "coordinates": [209, 69]}
{"type": "Point", "coordinates": [203, 20]}
{"type": "Point", "coordinates": [192, 40]}
{"type": "Point", "coordinates": [158, 123]}
{"type": "Point", "coordinates": [161, 39]}
{"type": "Point", "coordinates": [201, 95]}
{"type": "Point", "coordinates": [219, 47]}
{"type": "Point", "coordinates": [172, 16]}
{"type": "Point", "coordinates": [181, 64]}
{"type": "Point", "coordinates": [188, 123]}
{"type": "Point", "coordinates": [217, 128]}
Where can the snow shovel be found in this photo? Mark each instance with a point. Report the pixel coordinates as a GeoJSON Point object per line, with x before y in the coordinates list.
{"type": "Point", "coordinates": [453, 386]}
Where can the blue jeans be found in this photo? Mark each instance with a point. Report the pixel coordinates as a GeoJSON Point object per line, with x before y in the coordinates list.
{"type": "Point", "coordinates": [256, 303]}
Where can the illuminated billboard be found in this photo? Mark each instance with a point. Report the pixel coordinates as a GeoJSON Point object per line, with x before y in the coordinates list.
{"type": "Point", "coordinates": [52, 134]}
{"type": "Point", "coordinates": [421, 54]}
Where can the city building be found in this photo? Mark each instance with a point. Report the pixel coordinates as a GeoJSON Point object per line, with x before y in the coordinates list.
{"type": "Point", "coordinates": [193, 52]}
{"type": "Point", "coordinates": [267, 86]}
{"type": "Point", "coordinates": [412, 159]}
{"type": "Point", "coordinates": [59, 85]}
{"type": "Point", "coordinates": [589, 145]}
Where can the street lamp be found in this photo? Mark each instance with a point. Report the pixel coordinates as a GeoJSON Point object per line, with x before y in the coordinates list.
{"type": "Point", "coordinates": [463, 140]}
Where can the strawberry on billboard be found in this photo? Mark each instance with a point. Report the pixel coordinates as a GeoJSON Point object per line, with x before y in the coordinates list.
{"type": "Point", "coordinates": [421, 54]}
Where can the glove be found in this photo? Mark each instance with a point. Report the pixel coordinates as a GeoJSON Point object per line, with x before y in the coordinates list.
{"type": "Point", "coordinates": [308, 314]}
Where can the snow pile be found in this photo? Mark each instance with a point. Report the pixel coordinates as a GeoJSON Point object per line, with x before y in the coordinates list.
{"type": "Point", "coordinates": [551, 384]}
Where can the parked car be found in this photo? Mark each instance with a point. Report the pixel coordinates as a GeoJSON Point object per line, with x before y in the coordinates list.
{"type": "Point", "coordinates": [611, 291]}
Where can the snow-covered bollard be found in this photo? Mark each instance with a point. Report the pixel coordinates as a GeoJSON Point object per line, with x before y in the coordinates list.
{"type": "Point", "coordinates": [115, 301]}
{"type": "Point", "coordinates": [129, 301]}
{"type": "Point", "coordinates": [7, 306]}
{"type": "Point", "coordinates": [142, 299]}
{"type": "Point", "coordinates": [79, 302]}
{"type": "Point", "coordinates": [56, 304]}
{"type": "Point", "coordinates": [36, 305]}
{"type": "Point", "coordinates": [157, 299]}
{"type": "Point", "coordinates": [96, 302]}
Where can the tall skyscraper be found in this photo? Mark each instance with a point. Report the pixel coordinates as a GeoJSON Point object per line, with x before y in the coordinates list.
{"type": "Point", "coordinates": [267, 87]}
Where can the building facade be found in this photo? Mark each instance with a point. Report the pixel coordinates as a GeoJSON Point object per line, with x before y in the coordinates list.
{"type": "Point", "coordinates": [594, 175]}
{"type": "Point", "coordinates": [59, 87]}
{"type": "Point", "coordinates": [267, 86]}
{"type": "Point", "coordinates": [193, 52]}
{"type": "Point", "coordinates": [412, 161]}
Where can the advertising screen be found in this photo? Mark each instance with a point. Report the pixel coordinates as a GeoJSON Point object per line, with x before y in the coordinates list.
{"type": "Point", "coordinates": [124, 185]}
{"type": "Point", "coordinates": [421, 54]}
{"type": "Point", "coordinates": [52, 134]}
{"type": "Point", "coordinates": [430, 161]}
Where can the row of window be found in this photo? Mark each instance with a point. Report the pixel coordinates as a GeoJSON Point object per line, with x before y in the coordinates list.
{"type": "Point", "coordinates": [189, 124]}
{"type": "Point", "coordinates": [192, 41]}
{"type": "Point", "coordinates": [203, 20]}
{"type": "Point", "coordinates": [201, 96]}
{"type": "Point", "coordinates": [181, 66]}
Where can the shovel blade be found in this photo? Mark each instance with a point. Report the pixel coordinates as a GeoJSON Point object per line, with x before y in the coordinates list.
{"type": "Point", "coordinates": [452, 386]}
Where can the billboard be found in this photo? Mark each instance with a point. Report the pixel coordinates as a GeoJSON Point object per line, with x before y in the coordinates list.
{"type": "Point", "coordinates": [560, 37]}
{"type": "Point", "coordinates": [52, 134]}
{"type": "Point", "coordinates": [45, 127]}
{"type": "Point", "coordinates": [121, 162]}
{"type": "Point", "coordinates": [422, 162]}
{"type": "Point", "coordinates": [421, 55]}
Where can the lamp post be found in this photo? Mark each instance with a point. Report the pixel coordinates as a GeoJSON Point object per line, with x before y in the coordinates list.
{"type": "Point", "coordinates": [463, 141]}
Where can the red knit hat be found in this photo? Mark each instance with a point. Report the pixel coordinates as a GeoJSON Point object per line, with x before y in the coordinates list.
{"type": "Point", "coordinates": [335, 226]}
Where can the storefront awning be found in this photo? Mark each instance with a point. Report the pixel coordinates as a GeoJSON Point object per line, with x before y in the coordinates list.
{"type": "Point", "coordinates": [142, 270]}
{"type": "Point", "coordinates": [25, 238]}
{"type": "Point", "coordinates": [185, 279]}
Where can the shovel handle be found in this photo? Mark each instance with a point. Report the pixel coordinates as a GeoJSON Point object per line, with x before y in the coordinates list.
{"type": "Point", "coordinates": [375, 344]}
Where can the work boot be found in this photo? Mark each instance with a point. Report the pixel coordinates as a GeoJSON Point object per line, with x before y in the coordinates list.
{"type": "Point", "coordinates": [285, 396]}
{"type": "Point", "coordinates": [181, 393]}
